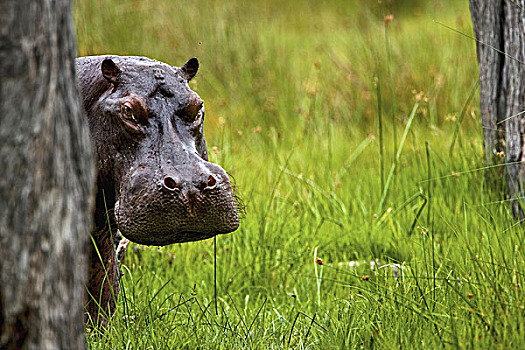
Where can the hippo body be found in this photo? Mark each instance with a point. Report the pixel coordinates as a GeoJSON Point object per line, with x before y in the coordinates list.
{"type": "Point", "coordinates": [155, 185]}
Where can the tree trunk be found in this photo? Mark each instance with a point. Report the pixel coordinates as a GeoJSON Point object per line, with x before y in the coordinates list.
{"type": "Point", "coordinates": [500, 31]}
{"type": "Point", "coordinates": [47, 179]}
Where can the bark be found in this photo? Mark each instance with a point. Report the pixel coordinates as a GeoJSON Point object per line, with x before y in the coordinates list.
{"type": "Point", "coordinates": [500, 30]}
{"type": "Point", "coordinates": [47, 179]}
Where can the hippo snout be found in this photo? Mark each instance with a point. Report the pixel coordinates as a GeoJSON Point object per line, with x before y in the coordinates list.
{"type": "Point", "coordinates": [193, 190]}
{"type": "Point", "coordinates": [176, 206]}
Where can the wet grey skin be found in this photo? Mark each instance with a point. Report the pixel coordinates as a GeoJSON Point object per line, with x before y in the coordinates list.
{"type": "Point", "coordinates": [155, 185]}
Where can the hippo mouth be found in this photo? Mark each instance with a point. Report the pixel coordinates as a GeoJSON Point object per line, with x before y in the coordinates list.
{"type": "Point", "coordinates": [163, 226]}
{"type": "Point", "coordinates": [150, 214]}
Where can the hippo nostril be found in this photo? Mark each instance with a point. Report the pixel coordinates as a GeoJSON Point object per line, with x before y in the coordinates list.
{"type": "Point", "coordinates": [171, 184]}
{"type": "Point", "coordinates": [211, 181]}
{"type": "Point", "coordinates": [209, 184]}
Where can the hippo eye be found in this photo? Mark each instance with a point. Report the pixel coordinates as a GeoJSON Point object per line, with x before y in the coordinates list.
{"type": "Point", "coordinates": [192, 111]}
{"type": "Point", "coordinates": [127, 110]}
{"type": "Point", "coordinates": [133, 114]}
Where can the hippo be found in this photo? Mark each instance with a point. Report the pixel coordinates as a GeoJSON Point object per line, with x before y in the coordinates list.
{"type": "Point", "coordinates": [155, 185]}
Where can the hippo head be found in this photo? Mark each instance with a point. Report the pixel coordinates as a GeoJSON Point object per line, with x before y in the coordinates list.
{"type": "Point", "coordinates": [147, 126]}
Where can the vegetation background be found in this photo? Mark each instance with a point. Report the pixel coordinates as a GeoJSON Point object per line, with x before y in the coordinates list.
{"type": "Point", "coordinates": [352, 130]}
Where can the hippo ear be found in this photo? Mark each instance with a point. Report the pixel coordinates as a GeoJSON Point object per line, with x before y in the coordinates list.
{"type": "Point", "coordinates": [110, 71]}
{"type": "Point", "coordinates": [190, 68]}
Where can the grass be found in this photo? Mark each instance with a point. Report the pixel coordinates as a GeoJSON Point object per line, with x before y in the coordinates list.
{"type": "Point", "coordinates": [291, 91]}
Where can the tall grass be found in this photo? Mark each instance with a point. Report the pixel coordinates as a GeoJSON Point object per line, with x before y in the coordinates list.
{"type": "Point", "coordinates": [328, 256]}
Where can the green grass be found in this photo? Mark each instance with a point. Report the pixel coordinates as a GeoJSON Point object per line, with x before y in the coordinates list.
{"type": "Point", "coordinates": [291, 92]}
